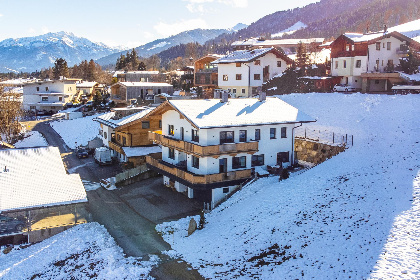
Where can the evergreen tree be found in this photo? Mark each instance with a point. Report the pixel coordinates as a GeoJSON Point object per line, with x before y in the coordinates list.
{"type": "Point", "coordinates": [410, 64]}
{"type": "Point", "coordinates": [142, 66]}
{"type": "Point", "coordinates": [91, 71]}
{"type": "Point", "coordinates": [60, 68]}
{"type": "Point", "coordinates": [302, 59]}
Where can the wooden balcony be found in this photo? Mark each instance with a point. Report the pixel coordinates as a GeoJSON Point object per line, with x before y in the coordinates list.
{"type": "Point", "coordinates": [194, 179]}
{"type": "Point", "coordinates": [202, 151]}
{"type": "Point", "coordinates": [116, 147]}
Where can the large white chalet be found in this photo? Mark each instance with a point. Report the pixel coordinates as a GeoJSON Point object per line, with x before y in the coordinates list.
{"type": "Point", "coordinates": [370, 61]}
{"type": "Point", "coordinates": [48, 95]}
{"type": "Point", "coordinates": [242, 72]}
{"type": "Point", "coordinates": [210, 146]}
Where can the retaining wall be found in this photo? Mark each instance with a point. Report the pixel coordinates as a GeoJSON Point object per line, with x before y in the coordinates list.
{"type": "Point", "coordinates": [315, 152]}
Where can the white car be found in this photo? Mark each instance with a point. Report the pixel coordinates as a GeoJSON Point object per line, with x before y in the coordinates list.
{"type": "Point", "coordinates": [341, 87]}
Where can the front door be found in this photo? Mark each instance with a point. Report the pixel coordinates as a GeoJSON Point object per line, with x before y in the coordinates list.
{"type": "Point", "coordinates": [223, 165]}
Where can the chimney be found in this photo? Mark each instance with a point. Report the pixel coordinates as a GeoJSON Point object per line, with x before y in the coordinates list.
{"type": "Point", "coordinates": [225, 96]}
{"type": "Point", "coordinates": [262, 96]}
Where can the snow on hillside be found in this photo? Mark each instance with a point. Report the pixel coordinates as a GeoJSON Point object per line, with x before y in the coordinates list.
{"type": "Point", "coordinates": [354, 216]}
{"type": "Point", "coordinates": [78, 131]}
{"type": "Point", "coordinates": [85, 251]}
{"type": "Point", "coordinates": [292, 29]}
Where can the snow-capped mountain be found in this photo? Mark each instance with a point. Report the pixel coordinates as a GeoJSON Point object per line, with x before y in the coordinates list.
{"type": "Point", "coordinates": [157, 46]}
{"type": "Point", "coordinates": [34, 53]}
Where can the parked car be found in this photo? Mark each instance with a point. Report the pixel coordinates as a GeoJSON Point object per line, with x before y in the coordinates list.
{"type": "Point", "coordinates": [103, 156]}
{"type": "Point", "coordinates": [342, 87]}
{"type": "Point", "coordinates": [9, 224]}
{"type": "Point", "coordinates": [82, 153]}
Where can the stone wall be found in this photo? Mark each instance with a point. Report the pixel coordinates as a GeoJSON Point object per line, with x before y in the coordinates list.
{"type": "Point", "coordinates": [315, 152]}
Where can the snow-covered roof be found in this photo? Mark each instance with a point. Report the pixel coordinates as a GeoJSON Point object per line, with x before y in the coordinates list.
{"type": "Point", "coordinates": [107, 119]}
{"type": "Point", "coordinates": [248, 55]}
{"type": "Point", "coordinates": [86, 84]}
{"type": "Point", "coordinates": [258, 42]}
{"type": "Point", "coordinates": [36, 177]}
{"type": "Point", "coordinates": [406, 87]}
{"type": "Point", "coordinates": [211, 113]}
{"type": "Point", "coordinates": [144, 84]}
{"type": "Point", "coordinates": [141, 151]}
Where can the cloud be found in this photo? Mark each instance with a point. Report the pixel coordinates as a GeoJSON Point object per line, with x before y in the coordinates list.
{"type": "Point", "coordinates": [168, 29]}
{"type": "Point", "coordinates": [202, 6]}
{"type": "Point", "coordinates": [235, 3]}
{"type": "Point", "coordinates": [1, 15]}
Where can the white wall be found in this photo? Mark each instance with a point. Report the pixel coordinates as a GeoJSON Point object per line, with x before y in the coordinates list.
{"type": "Point", "coordinates": [383, 55]}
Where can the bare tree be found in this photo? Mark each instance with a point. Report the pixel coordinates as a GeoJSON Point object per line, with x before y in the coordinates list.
{"type": "Point", "coordinates": [10, 114]}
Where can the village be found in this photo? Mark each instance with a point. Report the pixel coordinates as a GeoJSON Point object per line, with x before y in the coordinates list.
{"type": "Point", "coordinates": [163, 167]}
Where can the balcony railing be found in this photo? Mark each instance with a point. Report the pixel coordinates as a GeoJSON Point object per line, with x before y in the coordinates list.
{"type": "Point", "coordinates": [198, 179]}
{"type": "Point", "coordinates": [202, 151]}
{"type": "Point", "coordinates": [115, 146]}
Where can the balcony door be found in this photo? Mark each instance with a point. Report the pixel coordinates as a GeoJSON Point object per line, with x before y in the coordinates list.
{"type": "Point", "coordinates": [223, 165]}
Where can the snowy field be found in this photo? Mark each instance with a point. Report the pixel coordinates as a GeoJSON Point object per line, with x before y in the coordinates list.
{"type": "Point", "coordinates": [32, 139]}
{"type": "Point", "coordinates": [85, 251]}
{"type": "Point", "coordinates": [355, 216]}
{"type": "Point", "coordinates": [79, 130]}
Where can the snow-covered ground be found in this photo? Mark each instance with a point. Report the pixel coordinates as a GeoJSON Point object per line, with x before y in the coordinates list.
{"type": "Point", "coordinates": [354, 216]}
{"type": "Point", "coordinates": [85, 251]}
{"type": "Point", "coordinates": [78, 131]}
{"type": "Point", "coordinates": [32, 139]}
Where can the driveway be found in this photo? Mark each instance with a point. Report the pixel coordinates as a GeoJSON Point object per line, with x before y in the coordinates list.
{"type": "Point", "coordinates": [130, 214]}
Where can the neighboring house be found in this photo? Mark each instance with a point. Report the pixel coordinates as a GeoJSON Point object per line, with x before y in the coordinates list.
{"type": "Point", "coordinates": [140, 76]}
{"type": "Point", "coordinates": [123, 92]}
{"type": "Point", "coordinates": [125, 132]}
{"type": "Point", "coordinates": [48, 95]}
{"type": "Point", "coordinates": [243, 72]}
{"type": "Point", "coordinates": [87, 88]}
{"type": "Point", "coordinates": [205, 73]}
{"type": "Point", "coordinates": [211, 146]}
{"type": "Point", "coordinates": [289, 46]}
{"type": "Point", "coordinates": [35, 188]}
{"type": "Point", "coordinates": [370, 61]}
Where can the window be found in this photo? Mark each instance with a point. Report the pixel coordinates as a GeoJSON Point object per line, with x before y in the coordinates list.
{"type": "Point", "coordinates": [160, 123]}
{"type": "Point", "coordinates": [60, 98]}
{"type": "Point", "coordinates": [226, 190]}
{"type": "Point", "coordinates": [32, 107]}
{"type": "Point", "coordinates": [182, 133]}
{"type": "Point", "coordinates": [388, 46]}
{"type": "Point", "coordinates": [242, 135]}
{"type": "Point", "coordinates": [171, 130]}
{"type": "Point", "coordinates": [239, 162]}
{"type": "Point", "coordinates": [234, 90]}
{"type": "Point", "coordinates": [145, 124]}
{"type": "Point", "coordinates": [344, 63]}
{"type": "Point", "coordinates": [358, 63]}
{"type": "Point", "coordinates": [282, 157]}
{"type": "Point", "coordinates": [257, 77]}
{"type": "Point", "coordinates": [272, 133]}
{"type": "Point", "coordinates": [284, 132]}
{"type": "Point", "coordinates": [226, 137]}
{"type": "Point", "coordinates": [194, 135]}
{"type": "Point", "coordinates": [37, 88]}
{"type": "Point", "coordinates": [225, 77]}
{"type": "Point", "coordinates": [336, 64]}
{"type": "Point", "coordinates": [118, 137]}
{"type": "Point", "coordinates": [195, 162]}
{"type": "Point", "coordinates": [378, 46]}
{"type": "Point", "coordinates": [243, 91]}
{"type": "Point", "coordinates": [46, 88]}
{"type": "Point", "coordinates": [124, 140]}
{"type": "Point", "coordinates": [257, 160]}
{"type": "Point", "coordinates": [257, 134]}
{"type": "Point", "coordinates": [279, 63]}
{"type": "Point", "coordinates": [238, 76]}
{"type": "Point", "coordinates": [257, 62]}
{"type": "Point", "coordinates": [105, 135]}
{"type": "Point", "coordinates": [44, 98]}
{"type": "Point", "coordinates": [238, 64]}
{"type": "Point", "coordinates": [347, 47]}
{"type": "Point", "coordinates": [171, 153]}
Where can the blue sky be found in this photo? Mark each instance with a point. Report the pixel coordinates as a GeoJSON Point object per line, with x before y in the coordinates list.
{"type": "Point", "coordinates": [130, 23]}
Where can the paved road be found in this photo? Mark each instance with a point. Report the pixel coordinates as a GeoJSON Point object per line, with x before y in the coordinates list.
{"type": "Point", "coordinates": [132, 231]}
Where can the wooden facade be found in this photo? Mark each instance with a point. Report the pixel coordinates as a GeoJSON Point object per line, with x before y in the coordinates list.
{"type": "Point", "coordinates": [202, 151]}
{"type": "Point", "coordinates": [136, 133]}
{"type": "Point", "coordinates": [345, 47]}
